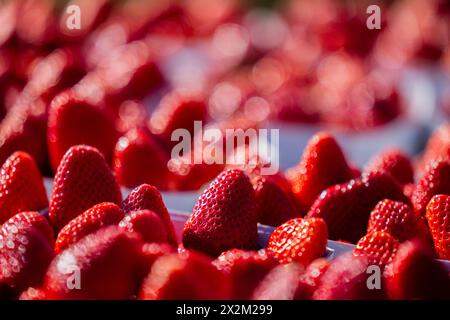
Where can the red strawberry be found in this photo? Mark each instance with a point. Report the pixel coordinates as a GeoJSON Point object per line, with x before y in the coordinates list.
{"type": "Point", "coordinates": [34, 219]}
{"type": "Point", "coordinates": [438, 146]}
{"type": "Point", "coordinates": [246, 269]}
{"type": "Point", "coordinates": [378, 246]}
{"type": "Point", "coordinates": [90, 221]}
{"type": "Point", "coordinates": [224, 217]}
{"type": "Point", "coordinates": [25, 129]}
{"type": "Point", "coordinates": [147, 197]}
{"type": "Point", "coordinates": [139, 159]}
{"type": "Point", "coordinates": [33, 294]}
{"type": "Point", "coordinates": [346, 279]}
{"type": "Point", "coordinates": [311, 279]}
{"type": "Point", "coordinates": [436, 180]}
{"type": "Point", "coordinates": [177, 110]}
{"type": "Point", "coordinates": [438, 217]}
{"type": "Point", "coordinates": [315, 172]}
{"type": "Point", "coordinates": [152, 251]}
{"type": "Point", "coordinates": [394, 162]}
{"type": "Point", "coordinates": [103, 265]}
{"type": "Point", "coordinates": [72, 121]}
{"type": "Point", "coordinates": [147, 224]}
{"type": "Point", "coordinates": [346, 208]}
{"type": "Point", "coordinates": [21, 186]}
{"type": "Point", "coordinates": [83, 179]}
{"type": "Point", "coordinates": [187, 276]}
{"type": "Point", "coordinates": [25, 254]}
{"type": "Point", "coordinates": [299, 240]}
{"type": "Point", "coordinates": [398, 219]}
{"type": "Point", "coordinates": [274, 206]}
{"type": "Point", "coordinates": [415, 274]}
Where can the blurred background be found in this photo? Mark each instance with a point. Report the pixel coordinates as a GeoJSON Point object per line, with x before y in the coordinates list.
{"type": "Point", "coordinates": [296, 65]}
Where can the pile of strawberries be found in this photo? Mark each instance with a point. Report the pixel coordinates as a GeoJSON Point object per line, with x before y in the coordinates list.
{"type": "Point", "coordinates": [94, 245]}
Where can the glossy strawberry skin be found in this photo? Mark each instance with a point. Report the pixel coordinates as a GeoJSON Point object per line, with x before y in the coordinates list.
{"type": "Point", "coordinates": [436, 180]}
{"type": "Point", "coordinates": [346, 208]}
{"type": "Point", "coordinates": [378, 246]}
{"type": "Point", "coordinates": [94, 259]}
{"type": "Point", "coordinates": [74, 121]}
{"type": "Point", "coordinates": [147, 224]}
{"type": "Point", "coordinates": [246, 269]}
{"type": "Point", "coordinates": [315, 172]}
{"type": "Point", "coordinates": [34, 219]}
{"type": "Point", "coordinates": [186, 276]}
{"type": "Point", "coordinates": [224, 217]}
{"type": "Point", "coordinates": [398, 219]}
{"type": "Point", "coordinates": [21, 186]}
{"type": "Point", "coordinates": [139, 159]}
{"type": "Point", "coordinates": [147, 197]}
{"type": "Point", "coordinates": [300, 240]}
{"type": "Point", "coordinates": [90, 221]}
{"type": "Point", "coordinates": [438, 218]}
{"type": "Point", "coordinates": [394, 162]}
{"type": "Point", "coordinates": [83, 180]}
{"type": "Point", "coordinates": [274, 206]}
{"type": "Point", "coordinates": [415, 274]}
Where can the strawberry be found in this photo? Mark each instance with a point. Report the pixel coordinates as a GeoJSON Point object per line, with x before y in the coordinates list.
{"type": "Point", "coordinates": [315, 173]}
{"type": "Point", "coordinates": [378, 246]}
{"type": "Point", "coordinates": [33, 294]}
{"type": "Point", "coordinates": [34, 219]}
{"type": "Point", "coordinates": [21, 186]}
{"type": "Point", "coordinates": [346, 279]}
{"type": "Point", "coordinates": [152, 251]}
{"type": "Point", "coordinates": [89, 269]}
{"type": "Point", "coordinates": [90, 221]}
{"type": "Point", "coordinates": [311, 279]}
{"type": "Point", "coordinates": [83, 179]}
{"type": "Point", "coordinates": [224, 217]}
{"type": "Point", "coordinates": [438, 146]}
{"type": "Point", "coordinates": [436, 180]}
{"type": "Point", "coordinates": [415, 274]}
{"type": "Point", "coordinates": [274, 206]}
{"type": "Point", "coordinates": [438, 217]}
{"type": "Point", "coordinates": [147, 224]}
{"type": "Point", "coordinates": [246, 269]}
{"type": "Point", "coordinates": [186, 276]}
{"type": "Point", "coordinates": [346, 208]}
{"type": "Point", "coordinates": [25, 254]}
{"type": "Point", "coordinates": [299, 240]}
{"type": "Point", "coordinates": [147, 197]}
{"type": "Point", "coordinates": [177, 110]}
{"type": "Point", "coordinates": [73, 120]}
{"type": "Point", "coordinates": [394, 162]}
{"type": "Point", "coordinates": [139, 159]}
{"type": "Point", "coordinates": [398, 219]}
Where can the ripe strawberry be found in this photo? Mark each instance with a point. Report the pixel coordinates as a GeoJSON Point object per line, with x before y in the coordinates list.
{"type": "Point", "coordinates": [438, 217]}
{"type": "Point", "coordinates": [25, 254]}
{"type": "Point", "coordinates": [394, 162]}
{"type": "Point", "coordinates": [139, 159]}
{"type": "Point", "coordinates": [21, 186]}
{"type": "Point", "coordinates": [346, 279]}
{"type": "Point", "coordinates": [72, 121]}
{"type": "Point", "coordinates": [378, 246]}
{"type": "Point", "coordinates": [147, 224]}
{"type": "Point", "coordinates": [152, 251]}
{"type": "Point", "coordinates": [224, 217]}
{"type": "Point", "coordinates": [90, 221]}
{"type": "Point", "coordinates": [147, 197]}
{"type": "Point", "coordinates": [299, 240]}
{"type": "Point", "coordinates": [274, 206]}
{"type": "Point", "coordinates": [438, 146]}
{"type": "Point", "coordinates": [415, 274]}
{"type": "Point", "coordinates": [246, 269]}
{"type": "Point", "coordinates": [346, 208]}
{"type": "Point", "coordinates": [83, 179]}
{"type": "Point", "coordinates": [177, 110]}
{"type": "Point", "coordinates": [90, 269]}
{"type": "Point", "coordinates": [34, 219]}
{"type": "Point", "coordinates": [311, 279]}
{"type": "Point", "coordinates": [315, 173]}
{"type": "Point", "coordinates": [187, 276]}
{"type": "Point", "coordinates": [398, 219]}
{"type": "Point", "coordinates": [436, 180]}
